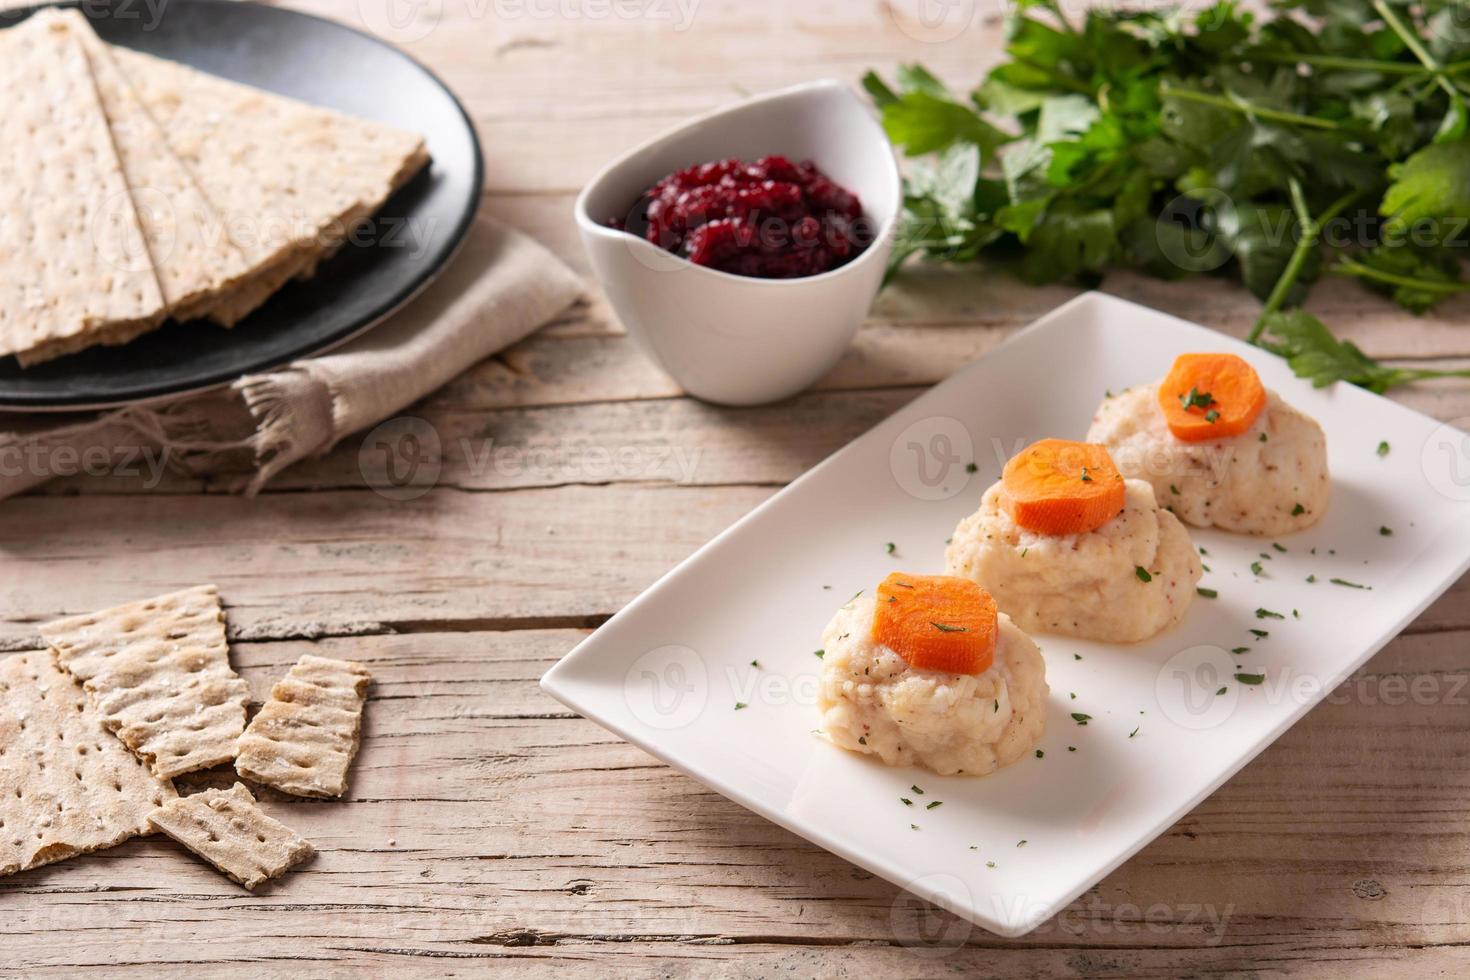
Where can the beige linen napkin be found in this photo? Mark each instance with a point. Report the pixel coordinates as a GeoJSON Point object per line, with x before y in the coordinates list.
{"type": "Point", "coordinates": [500, 288]}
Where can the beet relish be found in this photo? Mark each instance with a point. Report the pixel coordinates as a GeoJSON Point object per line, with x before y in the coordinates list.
{"type": "Point", "coordinates": [771, 219]}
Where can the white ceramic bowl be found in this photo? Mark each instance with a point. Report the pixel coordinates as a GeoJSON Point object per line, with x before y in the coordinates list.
{"type": "Point", "coordinates": [733, 339]}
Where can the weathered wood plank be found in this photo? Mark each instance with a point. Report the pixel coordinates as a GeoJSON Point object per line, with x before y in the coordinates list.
{"type": "Point", "coordinates": [305, 563]}
{"type": "Point", "coordinates": [341, 562]}
{"type": "Point", "coordinates": [485, 821]}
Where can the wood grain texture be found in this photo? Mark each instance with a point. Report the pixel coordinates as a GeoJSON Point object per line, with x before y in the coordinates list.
{"type": "Point", "coordinates": [488, 828]}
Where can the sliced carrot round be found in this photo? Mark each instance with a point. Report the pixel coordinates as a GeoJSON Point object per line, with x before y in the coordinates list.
{"type": "Point", "coordinates": [1059, 487]}
{"type": "Point", "coordinates": [936, 622]}
{"type": "Point", "coordinates": [1210, 396]}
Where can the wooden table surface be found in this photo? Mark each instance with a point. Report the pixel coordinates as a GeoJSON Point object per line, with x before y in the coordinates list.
{"type": "Point", "coordinates": [488, 827]}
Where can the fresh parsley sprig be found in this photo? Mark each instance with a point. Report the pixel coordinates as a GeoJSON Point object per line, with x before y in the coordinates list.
{"type": "Point", "coordinates": [1219, 141]}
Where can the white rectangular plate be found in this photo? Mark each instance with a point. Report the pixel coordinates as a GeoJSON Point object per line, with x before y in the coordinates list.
{"type": "Point", "coordinates": [667, 672]}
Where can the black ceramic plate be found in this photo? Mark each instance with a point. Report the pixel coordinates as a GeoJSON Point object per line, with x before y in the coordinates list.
{"type": "Point", "coordinates": [417, 232]}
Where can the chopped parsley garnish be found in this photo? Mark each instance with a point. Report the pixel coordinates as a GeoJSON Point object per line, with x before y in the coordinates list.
{"type": "Point", "coordinates": [862, 740]}
{"type": "Point", "coordinates": [1255, 568]}
{"type": "Point", "coordinates": [917, 791]}
{"type": "Point", "coordinates": [905, 585]}
{"type": "Point", "coordinates": [1239, 650]}
{"type": "Point", "coordinates": [1073, 695]}
{"type": "Point", "coordinates": [1311, 579]}
{"type": "Point", "coordinates": [1251, 678]}
{"type": "Point", "coordinates": [905, 801]}
{"type": "Point", "coordinates": [934, 804]}
{"type": "Point", "coordinates": [1279, 546]}
{"type": "Point", "coordinates": [1071, 748]}
{"type": "Point", "coordinates": [1142, 573]}
{"type": "Point", "coordinates": [990, 864]}
{"type": "Point", "coordinates": [756, 664]}
{"type": "Point", "coordinates": [739, 705]}
{"type": "Point", "coordinates": [1260, 633]}
{"type": "Point", "coordinates": [1385, 531]}
{"type": "Point", "coordinates": [1263, 437]}
{"type": "Point", "coordinates": [890, 547]}
{"type": "Point", "coordinates": [1133, 733]}
{"type": "Point", "coordinates": [820, 654]}
{"type": "Point", "coordinates": [1208, 593]}
{"type": "Point", "coordinates": [1173, 489]}
{"type": "Point", "coordinates": [1020, 843]}
{"type": "Point", "coordinates": [913, 826]}
{"type": "Point", "coordinates": [1085, 477]}
{"type": "Point", "coordinates": [971, 468]}
{"type": "Point", "coordinates": [1212, 416]}
{"type": "Point", "coordinates": [1268, 614]}
{"type": "Point", "coordinates": [1220, 692]}
{"type": "Point", "coordinates": [1351, 585]}
{"type": "Point", "coordinates": [1076, 656]}
{"type": "Point", "coordinates": [948, 628]}
{"type": "Point", "coordinates": [1080, 718]}
{"type": "Point", "coordinates": [997, 706]}
{"type": "Point", "coordinates": [1195, 399]}
{"type": "Point", "coordinates": [1298, 511]}
{"type": "Point", "coordinates": [1383, 448]}
{"type": "Point", "coordinates": [1040, 754]}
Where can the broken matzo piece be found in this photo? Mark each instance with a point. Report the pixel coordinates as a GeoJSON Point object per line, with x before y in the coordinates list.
{"type": "Point", "coordinates": [193, 258]}
{"type": "Point", "coordinates": [67, 785]}
{"type": "Point", "coordinates": [303, 740]}
{"type": "Point", "coordinates": [74, 265]}
{"type": "Point", "coordinates": [291, 179]}
{"type": "Point", "coordinates": [158, 672]}
{"type": "Point", "coordinates": [227, 829]}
